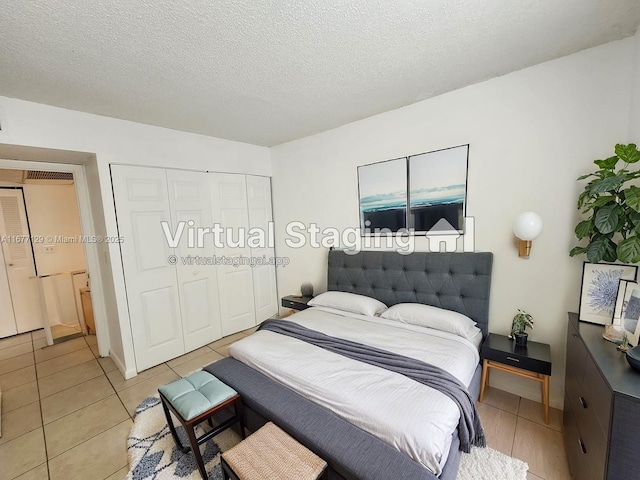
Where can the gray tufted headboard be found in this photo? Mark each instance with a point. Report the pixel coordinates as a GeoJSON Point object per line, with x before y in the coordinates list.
{"type": "Point", "coordinates": [454, 281]}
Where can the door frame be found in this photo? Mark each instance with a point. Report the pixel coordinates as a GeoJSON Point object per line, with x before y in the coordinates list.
{"type": "Point", "coordinates": [92, 255]}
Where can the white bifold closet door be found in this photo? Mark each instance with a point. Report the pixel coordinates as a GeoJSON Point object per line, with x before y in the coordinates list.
{"type": "Point", "coordinates": [264, 276]}
{"type": "Point", "coordinates": [235, 276]}
{"type": "Point", "coordinates": [142, 203]}
{"type": "Point", "coordinates": [19, 288]}
{"type": "Point", "coordinates": [190, 202]}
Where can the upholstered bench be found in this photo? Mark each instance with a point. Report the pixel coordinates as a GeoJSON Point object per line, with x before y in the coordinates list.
{"type": "Point", "coordinates": [271, 454]}
{"type": "Point", "coordinates": [193, 400]}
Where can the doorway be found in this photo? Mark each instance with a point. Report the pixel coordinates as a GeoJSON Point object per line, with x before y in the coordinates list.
{"type": "Point", "coordinates": [43, 272]}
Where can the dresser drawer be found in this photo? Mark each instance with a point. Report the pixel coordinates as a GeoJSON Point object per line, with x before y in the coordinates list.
{"type": "Point", "coordinates": [597, 395]}
{"type": "Point", "coordinates": [576, 352]}
{"type": "Point", "coordinates": [576, 453]}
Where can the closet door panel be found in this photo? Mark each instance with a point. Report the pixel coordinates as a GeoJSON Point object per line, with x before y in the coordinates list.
{"type": "Point", "coordinates": [190, 202]}
{"type": "Point", "coordinates": [142, 203]}
{"type": "Point", "coordinates": [235, 276]}
{"type": "Point", "coordinates": [264, 276]}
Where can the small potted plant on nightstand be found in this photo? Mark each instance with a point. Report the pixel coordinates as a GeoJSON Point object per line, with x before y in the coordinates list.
{"type": "Point", "coordinates": [521, 321]}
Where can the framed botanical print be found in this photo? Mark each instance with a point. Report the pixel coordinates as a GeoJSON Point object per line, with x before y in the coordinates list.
{"type": "Point", "coordinates": [599, 291]}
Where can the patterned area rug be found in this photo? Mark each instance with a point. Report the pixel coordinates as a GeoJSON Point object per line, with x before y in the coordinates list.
{"type": "Point", "coordinates": [154, 455]}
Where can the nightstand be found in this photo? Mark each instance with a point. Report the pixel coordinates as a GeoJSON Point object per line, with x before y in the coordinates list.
{"type": "Point", "coordinates": [531, 361]}
{"type": "Point", "coordinates": [295, 303]}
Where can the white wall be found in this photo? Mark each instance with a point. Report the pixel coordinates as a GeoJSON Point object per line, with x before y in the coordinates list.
{"type": "Point", "coordinates": [111, 141]}
{"type": "Point", "coordinates": [634, 119]}
{"type": "Point", "coordinates": [531, 134]}
{"type": "Point", "coordinates": [53, 212]}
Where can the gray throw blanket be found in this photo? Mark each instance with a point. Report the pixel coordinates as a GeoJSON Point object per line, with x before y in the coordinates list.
{"type": "Point", "coordinates": [470, 428]}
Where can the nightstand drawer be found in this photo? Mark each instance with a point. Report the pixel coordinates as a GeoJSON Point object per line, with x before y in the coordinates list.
{"type": "Point", "coordinates": [296, 303]}
{"type": "Point", "coordinates": [517, 360]}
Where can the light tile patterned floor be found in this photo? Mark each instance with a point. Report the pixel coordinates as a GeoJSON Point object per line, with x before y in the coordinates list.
{"type": "Point", "coordinates": [66, 414]}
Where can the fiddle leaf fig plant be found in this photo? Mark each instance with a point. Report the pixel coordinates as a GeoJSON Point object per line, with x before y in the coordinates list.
{"type": "Point", "coordinates": [612, 206]}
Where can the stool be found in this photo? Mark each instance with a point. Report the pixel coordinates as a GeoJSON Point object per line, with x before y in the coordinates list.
{"type": "Point", "coordinates": [270, 454]}
{"type": "Point", "coordinates": [193, 400]}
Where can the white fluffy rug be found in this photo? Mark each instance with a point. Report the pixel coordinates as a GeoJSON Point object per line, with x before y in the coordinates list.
{"type": "Point", "coordinates": [154, 455]}
{"type": "Point", "coordinates": [489, 464]}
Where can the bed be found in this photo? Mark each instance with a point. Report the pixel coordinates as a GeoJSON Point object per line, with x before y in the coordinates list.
{"type": "Point", "coordinates": [352, 447]}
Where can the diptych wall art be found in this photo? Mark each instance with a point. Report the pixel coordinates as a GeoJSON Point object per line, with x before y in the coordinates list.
{"type": "Point", "coordinates": [415, 192]}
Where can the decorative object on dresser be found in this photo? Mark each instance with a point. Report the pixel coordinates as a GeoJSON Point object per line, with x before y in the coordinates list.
{"type": "Point", "coordinates": [532, 361]}
{"type": "Point", "coordinates": [633, 357]}
{"type": "Point", "coordinates": [601, 406]}
{"type": "Point", "coordinates": [295, 302]}
{"type": "Point", "coordinates": [599, 290]}
{"type": "Point", "coordinates": [613, 210]}
{"type": "Point", "coordinates": [521, 321]}
{"type": "Point", "coordinates": [527, 227]}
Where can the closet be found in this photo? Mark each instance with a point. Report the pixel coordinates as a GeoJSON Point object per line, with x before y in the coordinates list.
{"type": "Point", "coordinates": [184, 293]}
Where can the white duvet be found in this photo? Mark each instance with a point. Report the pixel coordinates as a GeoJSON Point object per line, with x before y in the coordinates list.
{"type": "Point", "coordinates": [415, 419]}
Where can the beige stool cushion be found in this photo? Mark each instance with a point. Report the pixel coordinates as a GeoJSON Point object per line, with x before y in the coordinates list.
{"type": "Point", "coordinates": [271, 454]}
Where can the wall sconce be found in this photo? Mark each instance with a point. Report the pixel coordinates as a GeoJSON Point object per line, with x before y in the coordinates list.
{"type": "Point", "coordinates": [527, 226]}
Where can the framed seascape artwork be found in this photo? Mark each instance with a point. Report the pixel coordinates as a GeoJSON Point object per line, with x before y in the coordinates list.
{"type": "Point", "coordinates": [600, 282]}
{"type": "Point", "coordinates": [382, 188]}
{"type": "Point", "coordinates": [438, 189]}
{"type": "Point", "coordinates": [418, 193]}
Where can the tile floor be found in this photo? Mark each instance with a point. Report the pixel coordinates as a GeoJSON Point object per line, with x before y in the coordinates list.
{"type": "Point", "coordinates": [66, 413]}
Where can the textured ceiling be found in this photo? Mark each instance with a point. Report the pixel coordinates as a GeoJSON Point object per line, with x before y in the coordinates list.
{"type": "Point", "coordinates": [266, 72]}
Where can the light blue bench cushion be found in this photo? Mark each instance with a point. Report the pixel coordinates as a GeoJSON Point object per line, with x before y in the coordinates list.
{"type": "Point", "coordinates": [197, 393]}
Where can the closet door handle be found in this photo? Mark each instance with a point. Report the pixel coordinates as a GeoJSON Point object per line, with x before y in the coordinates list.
{"type": "Point", "coordinates": [582, 447]}
{"type": "Point", "coordinates": [574, 335]}
{"type": "Point", "coordinates": [583, 402]}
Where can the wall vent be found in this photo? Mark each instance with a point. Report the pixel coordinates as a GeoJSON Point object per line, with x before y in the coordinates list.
{"type": "Point", "coordinates": [41, 175]}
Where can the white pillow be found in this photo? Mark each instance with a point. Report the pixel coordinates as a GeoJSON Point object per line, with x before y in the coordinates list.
{"type": "Point", "coordinates": [348, 302]}
{"type": "Point", "coordinates": [432, 317]}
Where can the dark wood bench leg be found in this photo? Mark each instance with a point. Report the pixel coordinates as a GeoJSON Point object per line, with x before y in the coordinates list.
{"type": "Point", "coordinates": [172, 428]}
{"type": "Point", "coordinates": [196, 450]}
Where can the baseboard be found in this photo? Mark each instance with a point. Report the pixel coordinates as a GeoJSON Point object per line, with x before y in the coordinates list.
{"type": "Point", "coordinates": [127, 374]}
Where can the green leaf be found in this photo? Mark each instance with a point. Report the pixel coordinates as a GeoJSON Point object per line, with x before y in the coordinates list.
{"type": "Point", "coordinates": [634, 218]}
{"type": "Point", "coordinates": [584, 229]}
{"type": "Point", "coordinates": [628, 153]}
{"type": "Point", "coordinates": [600, 201]}
{"type": "Point", "coordinates": [606, 219]}
{"type": "Point", "coordinates": [606, 184]}
{"type": "Point", "coordinates": [582, 198]}
{"type": "Point", "coordinates": [577, 251]}
{"type": "Point", "coordinates": [607, 164]}
{"type": "Point", "coordinates": [582, 177]}
{"type": "Point", "coordinates": [598, 249]}
{"type": "Point", "coordinates": [628, 251]}
{"type": "Point", "coordinates": [632, 197]}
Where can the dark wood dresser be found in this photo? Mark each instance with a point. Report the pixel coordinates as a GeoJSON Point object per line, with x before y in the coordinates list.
{"type": "Point", "coordinates": [601, 407]}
